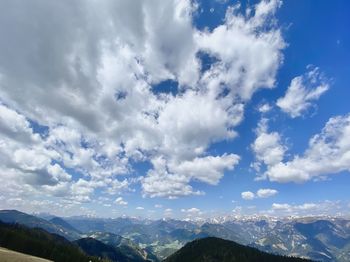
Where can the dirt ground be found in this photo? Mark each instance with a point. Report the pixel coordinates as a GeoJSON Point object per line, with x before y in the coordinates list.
{"type": "Point", "coordinates": [7, 255]}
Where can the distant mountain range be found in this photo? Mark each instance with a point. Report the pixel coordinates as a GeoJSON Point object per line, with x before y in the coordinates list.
{"type": "Point", "coordinates": [212, 249]}
{"type": "Point", "coordinates": [321, 239]}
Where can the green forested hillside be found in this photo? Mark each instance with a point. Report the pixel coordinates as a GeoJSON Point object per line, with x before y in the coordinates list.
{"type": "Point", "coordinates": [214, 249]}
{"type": "Point", "coordinates": [38, 242]}
{"type": "Point", "coordinates": [94, 247]}
{"type": "Point", "coordinates": [17, 217]}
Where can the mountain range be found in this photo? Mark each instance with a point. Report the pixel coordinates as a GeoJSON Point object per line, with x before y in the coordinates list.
{"type": "Point", "coordinates": [317, 238]}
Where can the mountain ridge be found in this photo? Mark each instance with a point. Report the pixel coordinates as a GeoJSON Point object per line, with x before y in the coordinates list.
{"type": "Point", "coordinates": [15, 216]}
{"type": "Point", "coordinates": [213, 249]}
{"type": "Point", "coordinates": [40, 243]}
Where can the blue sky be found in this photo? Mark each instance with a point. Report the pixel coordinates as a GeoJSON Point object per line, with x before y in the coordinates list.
{"type": "Point", "coordinates": [181, 109]}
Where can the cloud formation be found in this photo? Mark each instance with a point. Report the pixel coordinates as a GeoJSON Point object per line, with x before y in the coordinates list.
{"type": "Point", "coordinates": [192, 213]}
{"type": "Point", "coordinates": [120, 201]}
{"type": "Point", "coordinates": [302, 92]}
{"type": "Point", "coordinates": [309, 208]}
{"type": "Point", "coordinates": [267, 146]}
{"type": "Point", "coordinates": [261, 193]}
{"type": "Point", "coordinates": [79, 106]}
{"type": "Point", "coordinates": [327, 153]}
{"type": "Point", "coordinates": [248, 195]}
{"type": "Point", "coordinates": [266, 192]}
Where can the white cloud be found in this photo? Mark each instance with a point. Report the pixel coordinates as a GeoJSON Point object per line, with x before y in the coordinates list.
{"type": "Point", "coordinates": [310, 208]}
{"type": "Point", "coordinates": [160, 183]}
{"type": "Point", "coordinates": [327, 153]}
{"type": "Point", "coordinates": [267, 146]}
{"type": "Point", "coordinates": [187, 131]}
{"type": "Point", "coordinates": [115, 186]}
{"type": "Point", "coordinates": [238, 44]}
{"type": "Point", "coordinates": [121, 202]}
{"type": "Point", "coordinates": [248, 195]}
{"type": "Point", "coordinates": [192, 211]}
{"type": "Point", "coordinates": [140, 208]}
{"type": "Point", "coordinates": [276, 206]}
{"type": "Point", "coordinates": [264, 108]}
{"type": "Point", "coordinates": [261, 193]}
{"type": "Point", "coordinates": [168, 212]}
{"type": "Point", "coordinates": [158, 206]}
{"type": "Point", "coordinates": [302, 92]}
{"type": "Point", "coordinates": [206, 169]}
{"type": "Point", "coordinates": [172, 179]}
{"type": "Point", "coordinates": [266, 192]}
{"type": "Point", "coordinates": [96, 100]}
{"type": "Point", "coordinates": [15, 126]}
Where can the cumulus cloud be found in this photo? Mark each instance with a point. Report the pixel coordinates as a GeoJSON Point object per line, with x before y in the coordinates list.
{"type": "Point", "coordinates": [207, 169]}
{"type": "Point", "coordinates": [266, 192]}
{"type": "Point", "coordinates": [267, 146]}
{"type": "Point", "coordinates": [159, 182]}
{"type": "Point", "coordinates": [120, 201]}
{"type": "Point", "coordinates": [310, 208]}
{"type": "Point", "coordinates": [140, 208]}
{"type": "Point", "coordinates": [238, 44]}
{"type": "Point", "coordinates": [264, 108]}
{"type": "Point", "coordinates": [78, 106]}
{"type": "Point", "coordinates": [247, 195]}
{"type": "Point", "coordinates": [302, 92]}
{"type": "Point", "coordinates": [15, 126]}
{"type": "Point", "coordinates": [327, 153]}
{"type": "Point", "coordinates": [261, 193]}
{"type": "Point", "coordinates": [172, 179]}
{"type": "Point", "coordinates": [192, 211]}
{"type": "Point", "coordinates": [232, 78]}
{"type": "Point", "coordinates": [290, 208]}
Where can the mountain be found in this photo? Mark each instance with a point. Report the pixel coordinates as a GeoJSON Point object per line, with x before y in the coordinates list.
{"type": "Point", "coordinates": [325, 231]}
{"type": "Point", "coordinates": [96, 248]}
{"type": "Point", "coordinates": [220, 231]}
{"type": "Point", "coordinates": [319, 238]}
{"type": "Point", "coordinates": [14, 216]}
{"type": "Point", "coordinates": [214, 249]}
{"type": "Point", "coordinates": [281, 236]}
{"type": "Point", "coordinates": [64, 224]}
{"type": "Point", "coordinates": [40, 243]}
{"type": "Point", "coordinates": [322, 240]}
{"type": "Point", "coordinates": [126, 246]}
{"type": "Point", "coordinates": [61, 227]}
{"type": "Point", "coordinates": [116, 225]}
{"type": "Point", "coordinates": [158, 238]}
